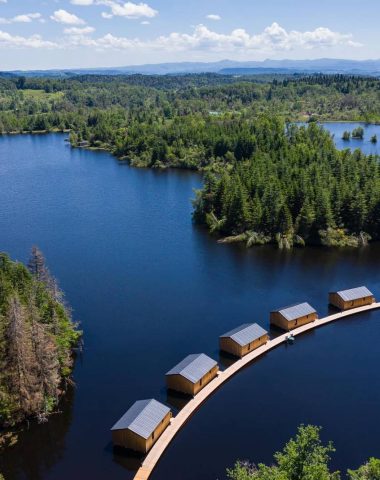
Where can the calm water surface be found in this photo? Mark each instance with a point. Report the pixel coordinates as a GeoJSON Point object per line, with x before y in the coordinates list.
{"type": "Point", "coordinates": [149, 288]}
{"type": "Point", "coordinates": [338, 128]}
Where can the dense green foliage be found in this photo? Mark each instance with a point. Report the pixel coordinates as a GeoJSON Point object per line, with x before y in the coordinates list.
{"type": "Point", "coordinates": [101, 108]}
{"type": "Point", "coordinates": [303, 458]}
{"type": "Point", "coordinates": [264, 183]}
{"type": "Point", "coordinates": [37, 336]}
{"type": "Point", "coordinates": [290, 185]}
{"type": "Point", "coordinates": [369, 471]}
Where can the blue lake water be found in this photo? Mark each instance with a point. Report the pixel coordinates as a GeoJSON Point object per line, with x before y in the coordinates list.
{"type": "Point", "coordinates": [149, 287]}
{"type": "Point", "coordinates": [338, 128]}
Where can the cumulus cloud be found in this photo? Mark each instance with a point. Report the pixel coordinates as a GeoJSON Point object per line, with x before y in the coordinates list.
{"type": "Point", "coordinates": [127, 9]}
{"type": "Point", "coordinates": [79, 30]}
{"type": "Point", "coordinates": [84, 3]}
{"type": "Point", "coordinates": [62, 16]}
{"type": "Point", "coordinates": [23, 18]}
{"type": "Point", "coordinates": [35, 41]}
{"type": "Point", "coordinates": [273, 38]}
{"type": "Point", "coordinates": [213, 16]}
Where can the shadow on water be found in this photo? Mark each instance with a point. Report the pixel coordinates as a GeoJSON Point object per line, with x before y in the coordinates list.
{"type": "Point", "coordinates": [128, 459]}
{"type": "Point", "coordinates": [226, 359]}
{"type": "Point", "coordinates": [40, 446]}
{"type": "Point", "coordinates": [177, 400]}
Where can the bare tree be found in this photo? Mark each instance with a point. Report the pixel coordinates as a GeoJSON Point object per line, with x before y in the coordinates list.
{"type": "Point", "coordinates": [45, 353]}
{"type": "Point", "coordinates": [20, 362]}
{"type": "Point", "coordinates": [38, 268]}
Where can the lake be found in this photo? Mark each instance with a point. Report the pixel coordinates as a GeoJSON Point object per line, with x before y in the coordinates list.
{"type": "Point", "coordinates": [149, 288]}
{"type": "Point", "coordinates": [338, 128]}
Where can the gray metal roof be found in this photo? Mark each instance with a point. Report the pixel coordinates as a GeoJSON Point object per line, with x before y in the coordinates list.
{"type": "Point", "coordinates": [296, 311]}
{"type": "Point", "coordinates": [354, 293]}
{"type": "Point", "coordinates": [246, 333]}
{"type": "Point", "coordinates": [193, 367]}
{"type": "Point", "coordinates": [143, 417]}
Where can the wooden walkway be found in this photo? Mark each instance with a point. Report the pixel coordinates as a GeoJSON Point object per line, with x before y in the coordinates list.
{"type": "Point", "coordinates": [183, 416]}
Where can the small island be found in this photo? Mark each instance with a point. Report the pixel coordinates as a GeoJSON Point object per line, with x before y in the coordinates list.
{"type": "Point", "coordinates": [358, 133]}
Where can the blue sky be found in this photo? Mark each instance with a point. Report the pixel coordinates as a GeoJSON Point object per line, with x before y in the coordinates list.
{"type": "Point", "coordinates": [39, 34]}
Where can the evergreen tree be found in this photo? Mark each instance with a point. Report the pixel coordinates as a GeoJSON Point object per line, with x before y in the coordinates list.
{"type": "Point", "coordinates": [36, 341]}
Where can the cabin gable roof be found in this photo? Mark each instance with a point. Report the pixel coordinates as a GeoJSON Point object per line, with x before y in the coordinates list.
{"type": "Point", "coordinates": [295, 311]}
{"type": "Point", "coordinates": [354, 293]}
{"type": "Point", "coordinates": [143, 417]}
{"type": "Point", "coordinates": [193, 367]}
{"type": "Point", "coordinates": [246, 333]}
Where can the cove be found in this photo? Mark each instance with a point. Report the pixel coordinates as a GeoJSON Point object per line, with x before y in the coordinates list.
{"type": "Point", "coordinates": [149, 287]}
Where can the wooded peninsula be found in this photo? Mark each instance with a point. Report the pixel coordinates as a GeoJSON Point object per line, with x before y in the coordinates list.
{"type": "Point", "coordinates": [266, 180]}
{"type": "Point", "coordinates": [37, 337]}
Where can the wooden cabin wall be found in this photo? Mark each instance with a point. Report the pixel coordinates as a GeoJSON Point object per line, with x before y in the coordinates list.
{"type": "Point", "coordinates": [228, 345]}
{"type": "Point", "coordinates": [280, 321]}
{"type": "Point", "coordinates": [206, 379]}
{"type": "Point", "coordinates": [127, 439]}
{"type": "Point", "coordinates": [181, 384]}
{"type": "Point", "coordinates": [337, 301]}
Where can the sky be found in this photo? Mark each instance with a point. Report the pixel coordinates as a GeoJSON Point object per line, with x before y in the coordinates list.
{"type": "Point", "coordinates": [46, 34]}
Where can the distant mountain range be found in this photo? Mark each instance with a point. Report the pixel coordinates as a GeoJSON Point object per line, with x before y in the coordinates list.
{"type": "Point", "coordinates": [226, 67]}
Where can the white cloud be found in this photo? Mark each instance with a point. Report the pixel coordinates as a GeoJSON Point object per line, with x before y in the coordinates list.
{"type": "Point", "coordinates": [24, 18]}
{"type": "Point", "coordinates": [35, 41]}
{"type": "Point", "coordinates": [79, 31]}
{"type": "Point", "coordinates": [84, 3]}
{"type": "Point", "coordinates": [213, 16]}
{"type": "Point", "coordinates": [273, 38]}
{"type": "Point", "coordinates": [145, 22]}
{"type": "Point", "coordinates": [127, 9]}
{"type": "Point", "coordinates": [62, 16]}
{"type": "Point", "coordinates": [107, 15]}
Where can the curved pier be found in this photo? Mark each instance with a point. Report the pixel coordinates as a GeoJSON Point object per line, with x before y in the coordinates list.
{"type": "Point", "coordinates": [183, 416]}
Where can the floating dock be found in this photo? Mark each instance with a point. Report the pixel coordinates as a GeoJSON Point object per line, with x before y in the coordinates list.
{"type": "Point", "coordinates": [191, 407]}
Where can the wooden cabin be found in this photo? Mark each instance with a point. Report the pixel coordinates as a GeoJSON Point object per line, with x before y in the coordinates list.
{"type": "Point", "coordinates": [242, 340]}
{"type": "Point", "coordinates": [293, 316]}
{"type": "Point", "coordinates": [352, 298]}
{"type": "Point", "coordinates": [141, 426]}
{"type": "Point", "coordinates": [192, 374]}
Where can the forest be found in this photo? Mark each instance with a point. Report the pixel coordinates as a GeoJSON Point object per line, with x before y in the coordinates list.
{"type": "Point", "coordinates": [266, 180]}
{"type": "Point", "coordinates": [304, 457]}
{"type": "Point", "coordinates": [290, 185]}
{"type": "Point", "coordinates": [103, 109]}
{"type": "Point", "coordinates": [37, 337]}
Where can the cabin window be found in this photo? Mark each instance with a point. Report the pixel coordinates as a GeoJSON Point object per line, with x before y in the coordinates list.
{"type": "Point", "coordinates": [153, 436]}
{"type": "Point", "coordinates": [200, 382]}
{"type": "Point", "coordinates": [249, 346]}
{"type": "Point", "coordinates": [295, 323]}
{"type": "Point", "coordinates": [352, 304]}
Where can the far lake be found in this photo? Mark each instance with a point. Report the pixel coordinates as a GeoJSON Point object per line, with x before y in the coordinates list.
{"type": "Point", "coordinates": [149, 288]}
{"type": "Point", "coordinates": [338, 128]}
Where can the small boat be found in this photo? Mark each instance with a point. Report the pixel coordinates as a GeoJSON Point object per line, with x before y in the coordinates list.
{"type": "Point", "coordinates": [290, 339]}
